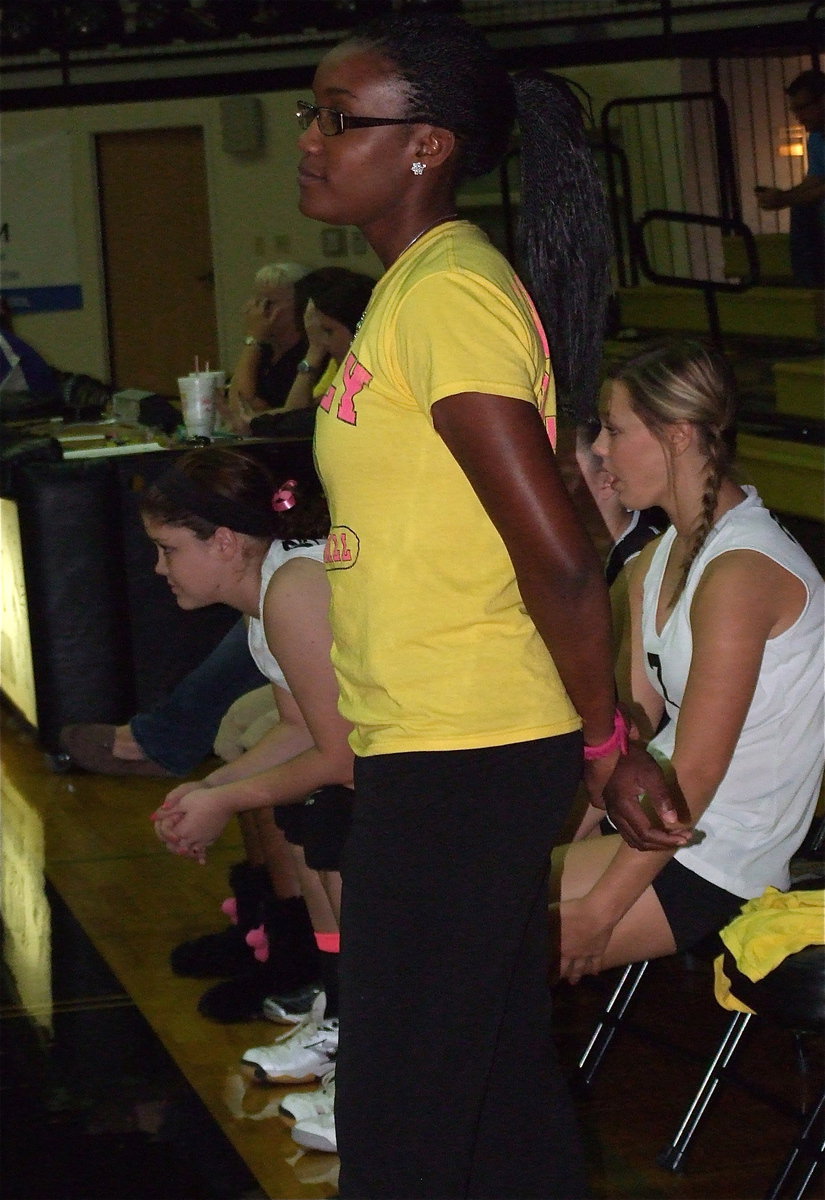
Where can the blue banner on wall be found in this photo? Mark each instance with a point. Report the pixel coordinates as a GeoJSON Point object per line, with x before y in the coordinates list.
{"type": "Point", "coordinates": [38, 250]}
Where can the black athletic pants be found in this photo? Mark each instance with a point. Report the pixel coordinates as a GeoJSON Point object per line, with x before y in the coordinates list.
{"type": "Point", "coordinates": [447, 1082]}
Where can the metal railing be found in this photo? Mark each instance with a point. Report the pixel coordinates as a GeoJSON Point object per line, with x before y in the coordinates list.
{"type": "Point", "coordinates": [671, 153]}
{"type": "Point", "coordinates": [709, 288]}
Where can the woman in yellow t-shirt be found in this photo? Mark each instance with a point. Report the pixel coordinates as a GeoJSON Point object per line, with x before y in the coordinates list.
{"type": "Point", "coordinates": [471, 629]}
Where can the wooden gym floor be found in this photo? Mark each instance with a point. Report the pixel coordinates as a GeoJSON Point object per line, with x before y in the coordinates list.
{"type": "Point", "coordinates": [113, 1087]}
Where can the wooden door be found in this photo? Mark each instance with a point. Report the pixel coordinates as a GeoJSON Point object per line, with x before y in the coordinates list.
{"type": "Point", "coordinates": [157, 256]}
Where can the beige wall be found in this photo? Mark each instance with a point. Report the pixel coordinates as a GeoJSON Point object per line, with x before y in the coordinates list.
{"type": "Point", "coordinates": [253, 212]}
{"type": "Point", "coordinates": [612, 81]}
{"type": "Point", "coordinates": [253, 203]}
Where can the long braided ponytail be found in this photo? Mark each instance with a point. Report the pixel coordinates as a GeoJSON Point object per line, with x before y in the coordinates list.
{"type": "Point", "coordinates": [564, 237]}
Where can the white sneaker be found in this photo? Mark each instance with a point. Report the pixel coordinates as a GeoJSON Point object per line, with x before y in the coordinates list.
{"type": "Point", "coordinates": [304, 1054]}
{"type": "Point", "coordinates": [303, 1106]}
{"type": "Point", "coordinates": [317, 1133]}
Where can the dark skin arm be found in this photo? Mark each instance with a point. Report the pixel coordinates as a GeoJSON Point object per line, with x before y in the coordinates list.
{"type": "Point", "coordinates": [502, 447]}
{"type": "Point", "coordinates": [662, 821]}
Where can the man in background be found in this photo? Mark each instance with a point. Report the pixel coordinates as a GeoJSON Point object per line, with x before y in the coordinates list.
{"type": "Point", "coordinates": [806, 96]}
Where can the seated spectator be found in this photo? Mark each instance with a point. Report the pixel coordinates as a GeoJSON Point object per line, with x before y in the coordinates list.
{"type": "Point", "coordinates": [22, 370]}
{"type": "Point", "coordinates": [276, 347]}
{"type": "Point", "coordinates": [213, 517]}
{"type": "Point", "coordinates": [274, 342]}
{"type": "Point", "coordinates": [726, 634]}
{"type": "Point", "coordinates": [336, 301]}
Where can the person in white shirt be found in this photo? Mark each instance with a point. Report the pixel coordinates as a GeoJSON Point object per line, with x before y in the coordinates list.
{"type": "Point", "coordinates": [726, 674]}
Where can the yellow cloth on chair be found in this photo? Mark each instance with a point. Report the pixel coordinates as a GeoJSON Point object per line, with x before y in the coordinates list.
{"type": "Point", "coordinates": [767, 930]}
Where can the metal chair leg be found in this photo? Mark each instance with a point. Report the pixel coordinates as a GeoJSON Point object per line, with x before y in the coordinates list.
{"type": "Point", "coordinates": [672, 1155]}
{"type": "Point", "coordinates": [613, 1013]}
{"type": "Point", "coordinates": [811, 1142]}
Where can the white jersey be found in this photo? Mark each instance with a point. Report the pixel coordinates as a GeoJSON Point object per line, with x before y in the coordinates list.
{"type": "Point", "coordinates": [763, 806]}
{"type": "Point", "coordinates": [277, 554]}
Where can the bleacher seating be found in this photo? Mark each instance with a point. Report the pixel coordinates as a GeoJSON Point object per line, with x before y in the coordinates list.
{"type": "Point", "coordinates": [772, 312]}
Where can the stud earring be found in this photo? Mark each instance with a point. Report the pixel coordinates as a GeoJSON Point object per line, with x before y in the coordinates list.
{"type": "Point", "coordinates": [418, 168]}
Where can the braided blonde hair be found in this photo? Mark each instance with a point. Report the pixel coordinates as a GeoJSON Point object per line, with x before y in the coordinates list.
{"type": "Point", "coordinates": [684, 380]}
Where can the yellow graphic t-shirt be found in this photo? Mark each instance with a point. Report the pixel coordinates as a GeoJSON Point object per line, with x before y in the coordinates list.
{"type": "Point", "coordinates": [433, 648]}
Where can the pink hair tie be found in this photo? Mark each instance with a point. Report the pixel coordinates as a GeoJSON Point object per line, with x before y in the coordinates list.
{"type": "Point", "coordinates": [284, 498]}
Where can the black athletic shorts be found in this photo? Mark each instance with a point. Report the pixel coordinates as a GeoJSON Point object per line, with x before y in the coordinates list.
{"type": "Point", "coordinates": [694, 907]}
{"type": "Point", "coordinates": [320, 824]}
{"type": "Point", "coordinates": [290, 819]}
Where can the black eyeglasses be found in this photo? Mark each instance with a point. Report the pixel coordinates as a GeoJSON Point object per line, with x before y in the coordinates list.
{"type": "Point", "coordinates": [331, 122]}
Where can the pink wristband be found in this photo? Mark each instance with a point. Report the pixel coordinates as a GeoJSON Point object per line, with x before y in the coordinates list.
{"type": "Point", "coordinates": [616, 741]}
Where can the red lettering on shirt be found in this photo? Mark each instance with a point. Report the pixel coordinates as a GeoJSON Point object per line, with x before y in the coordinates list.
{"type": "Point", "coordinates": [326, 400]}
{"type": "Point", "coordinates": [549, 422]}
{"type": "Point", "coordinates": [341, 549]}
{"type": "Point", "coordinates": [355, 377]}
{"type": "Point", "coordinates": [336, 550]}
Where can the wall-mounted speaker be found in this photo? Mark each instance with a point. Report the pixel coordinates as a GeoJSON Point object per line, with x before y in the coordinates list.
{"type": "Point", "coordinates": [242, 125]}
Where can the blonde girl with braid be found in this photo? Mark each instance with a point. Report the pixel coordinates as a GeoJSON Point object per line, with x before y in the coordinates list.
{"type": "Point", "coordinates": [726, 674]}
